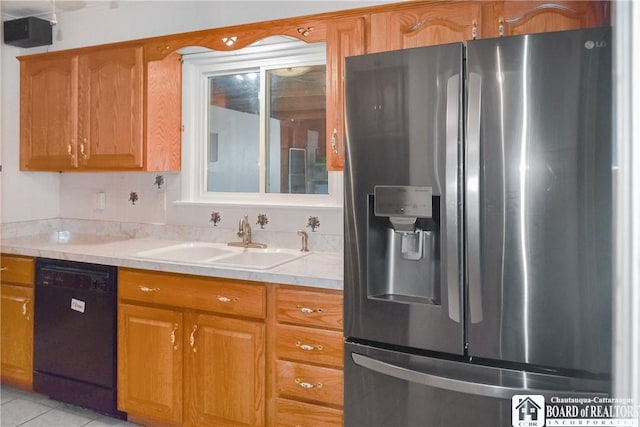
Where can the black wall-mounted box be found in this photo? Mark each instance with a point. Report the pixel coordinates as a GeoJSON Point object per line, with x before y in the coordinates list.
{"type": "Point", "coordinates": [27, 32]}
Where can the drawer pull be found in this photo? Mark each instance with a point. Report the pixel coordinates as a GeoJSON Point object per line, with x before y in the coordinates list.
{"type": "Point", "coordinates": [4, 268]}
{"type": "Point", "coordinates": [192, 339]}
{"type": "Point", "coordinates": [148, 289]}
{"type": "Point", "coordinates": [173, 336]}
{"type": "Point", "coordinates": [307, 310]}
{"type": "Point", "coordinates": [222, 298]}
{"type": "Point", "coordinates": [307, 385]}
{"type": "Point", "coordinates": [307, 347]}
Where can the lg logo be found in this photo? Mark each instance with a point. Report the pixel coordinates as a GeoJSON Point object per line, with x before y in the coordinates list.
{"type": "Point", "coordinates": [591, 44]}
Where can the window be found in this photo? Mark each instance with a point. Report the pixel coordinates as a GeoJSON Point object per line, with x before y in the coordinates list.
{"type": "Point", "coordinates": [255, 125]}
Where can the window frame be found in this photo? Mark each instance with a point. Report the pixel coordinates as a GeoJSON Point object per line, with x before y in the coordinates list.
{"type": "Point", "coordinates": [198, 66]}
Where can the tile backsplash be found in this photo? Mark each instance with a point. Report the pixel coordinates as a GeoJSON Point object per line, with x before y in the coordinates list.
{"type": "Point", "coordinates": [102, 204]}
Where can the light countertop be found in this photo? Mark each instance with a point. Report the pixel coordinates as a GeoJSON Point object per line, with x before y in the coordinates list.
{"type": "Point", "coordinates": [318, 269]}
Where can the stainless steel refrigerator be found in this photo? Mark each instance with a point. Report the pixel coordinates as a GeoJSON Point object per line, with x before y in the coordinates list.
{"type": "Point", "coordinates": [477, 228]}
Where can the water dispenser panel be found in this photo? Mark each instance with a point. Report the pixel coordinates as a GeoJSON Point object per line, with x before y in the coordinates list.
{"type": "Point", "coordinates": [411, 201]}
{"type": "Point", "coordinates": [403, 205]}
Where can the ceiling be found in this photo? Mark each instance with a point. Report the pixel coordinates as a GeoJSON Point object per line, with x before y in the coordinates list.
{"type": "Point", "coordinates": [41, 8]}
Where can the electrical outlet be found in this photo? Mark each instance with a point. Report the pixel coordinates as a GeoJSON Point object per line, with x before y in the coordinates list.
{"type": "Point", "coordinates": [100, 201]}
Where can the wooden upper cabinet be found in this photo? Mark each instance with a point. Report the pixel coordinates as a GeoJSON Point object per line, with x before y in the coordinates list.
{"type": "Point", "coordinates": [527, 17]}
{"type": "Point", "coordinates": [48, 113]}
{"type": "Point", "coordinates": [425, 25]}
{"type": "Point", "coordinates": [345, 37]}
{"type": "Point", "coordinates": [110, 108]}
{"type": "Point", "coordinates": [86, 109]}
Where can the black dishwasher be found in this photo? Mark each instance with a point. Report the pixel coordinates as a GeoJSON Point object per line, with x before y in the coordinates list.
{"type": "Point", "coordinates": [75, 334]}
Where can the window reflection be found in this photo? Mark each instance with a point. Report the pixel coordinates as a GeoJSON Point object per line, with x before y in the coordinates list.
{"type": "Point", "coordinates": [233, 151]}
{"type": "Point", "coordinates": [296, 155]}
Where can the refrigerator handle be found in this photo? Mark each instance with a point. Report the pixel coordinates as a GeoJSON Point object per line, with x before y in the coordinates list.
{"type": "Point", "coordinates": [459, 386]}
{"type": "Point", "coordinates": [451, 196]}
{"type": "Point", "coordinates": [473, 197]}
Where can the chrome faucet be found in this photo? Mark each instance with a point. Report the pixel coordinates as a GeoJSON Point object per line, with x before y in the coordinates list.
{"type": "Point", "coordinates": [305, 240]}
{"type": "Point", "coordinates": [244, 231]}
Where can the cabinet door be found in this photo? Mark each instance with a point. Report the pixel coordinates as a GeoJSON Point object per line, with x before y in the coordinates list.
{"type": "Point", "coordinates": [345, 37]}
{"type": "Point", "coordinates": [425, 26]}
{"type": "Point", "coordinates": [225, 371]}
{"type": "Point", "coordinates": [48, 113]}
{"type": "Point", "coordinates": [111, 108]}
{"type": "Point", "coordinates": [527, 17]}
{"type": "Point", "coordinates": [16, 308]}
{"type": "Point", "coordinates": [150, 361]}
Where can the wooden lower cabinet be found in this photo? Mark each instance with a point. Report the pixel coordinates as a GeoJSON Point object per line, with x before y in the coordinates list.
{"type": "Point", "coordinates": [192, 363]}
{"type": "Point", "coordinates": [291, 413]}
{"type": "Point", "coordinates": [225, 371]}
{"type": "Point", "coordinates": [199, 351]}
{"type": "Point", "coordinates": [150, 360]}
{"type": "Point", "coordinates": [307, 357]}
{"type": "Point", "coordinates": [16, 329]}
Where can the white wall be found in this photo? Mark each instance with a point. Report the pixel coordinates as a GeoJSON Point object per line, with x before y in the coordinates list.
{"type": "Point", "coordinates": [28, 196]}
{"type": "Point", "coordinates": [25, 196]}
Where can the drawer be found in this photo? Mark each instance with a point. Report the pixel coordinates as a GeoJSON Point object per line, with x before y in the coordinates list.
{"type": "Point", "coordinates": [290, 413]}
{"type": "Point", "coordinates": [310, 383]}
{"type": "Point", "coordinates": [309, 345]}
{"type": "Point", "coordinates": [309, 308]}
{"type": "Point", "coordinates": [223, 296]}
{"type": "Point", "coordinates": [17, 269]}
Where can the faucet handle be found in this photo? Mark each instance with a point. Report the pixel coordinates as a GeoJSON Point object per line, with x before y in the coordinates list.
{"type": "Point", "coordinates": [262, 220]}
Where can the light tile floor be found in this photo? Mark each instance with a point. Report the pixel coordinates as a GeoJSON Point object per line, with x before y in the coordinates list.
{"type": "Point", "coordinates": [20, 408]}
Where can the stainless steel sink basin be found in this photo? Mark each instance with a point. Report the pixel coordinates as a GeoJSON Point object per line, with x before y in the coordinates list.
{"type": "Point", "coordinates": [222, 255]}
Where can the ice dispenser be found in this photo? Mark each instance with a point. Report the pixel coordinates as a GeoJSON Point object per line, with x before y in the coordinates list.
{"type": "Point", "coordinates": [403, 244]}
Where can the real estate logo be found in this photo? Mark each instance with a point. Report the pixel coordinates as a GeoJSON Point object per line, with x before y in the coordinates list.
{"type": "Point", "coordinates": [527, 410]}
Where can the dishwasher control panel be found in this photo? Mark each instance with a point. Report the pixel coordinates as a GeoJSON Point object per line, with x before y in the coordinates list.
{"type": "Point", "coordinates": [75, 275]}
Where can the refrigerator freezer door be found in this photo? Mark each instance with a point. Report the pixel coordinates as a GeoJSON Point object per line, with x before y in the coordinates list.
{"type": "Point", "coordinates": [538, 199]}
{"type": "Point", "coordinates": [403, 284]}
{"type": "Point", "coordinates": [388, 388]}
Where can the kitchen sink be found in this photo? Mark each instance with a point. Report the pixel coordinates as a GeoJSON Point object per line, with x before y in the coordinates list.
{"type": "Point", "coordinates": [190, 252]}
{"type": "Point", "coordinates": [222, 255]}
{"type": "Point", "coordinates": [262, 259]}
